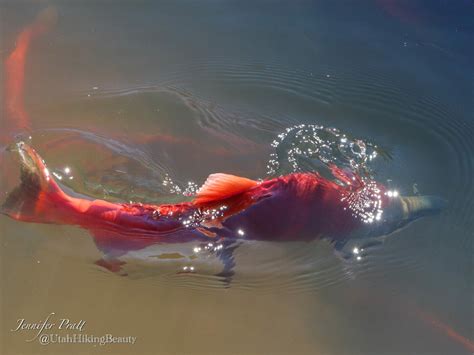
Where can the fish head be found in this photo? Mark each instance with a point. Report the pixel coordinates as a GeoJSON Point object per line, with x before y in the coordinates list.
{"type": "Point", "coordinates": [379, 213]}
{"type": "Point", "coordinates": [399, 211]}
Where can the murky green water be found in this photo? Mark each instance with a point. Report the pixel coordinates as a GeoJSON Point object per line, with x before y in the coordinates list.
{"type": "Point", "coordinates": [131, 94]}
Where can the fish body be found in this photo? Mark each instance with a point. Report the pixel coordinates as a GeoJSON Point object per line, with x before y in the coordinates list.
{"type": "Point", "coordinates": [294, 207]}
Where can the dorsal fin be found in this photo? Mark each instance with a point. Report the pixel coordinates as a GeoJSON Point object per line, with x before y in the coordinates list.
{"type": "Point", "coordinates": [221, 186]}
{"type": "Point", "coordinates": [350, 178]}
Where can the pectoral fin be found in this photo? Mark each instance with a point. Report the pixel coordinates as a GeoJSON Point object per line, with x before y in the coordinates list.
{"type": "Point", "coordinates": [226, 255]}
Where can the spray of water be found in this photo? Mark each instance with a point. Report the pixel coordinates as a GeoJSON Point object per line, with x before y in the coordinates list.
{"type": "Point", "coordinates": [309, 148]}
{"type": "Point", "coordinates": [316, 148]}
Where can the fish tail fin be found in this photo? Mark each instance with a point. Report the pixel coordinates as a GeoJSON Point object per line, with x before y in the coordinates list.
{"type": "Point", "coordinates": [38, 198]}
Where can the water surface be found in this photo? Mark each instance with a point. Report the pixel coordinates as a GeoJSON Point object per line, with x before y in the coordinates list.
{"type": "Point", "coordinates": [130, 95]}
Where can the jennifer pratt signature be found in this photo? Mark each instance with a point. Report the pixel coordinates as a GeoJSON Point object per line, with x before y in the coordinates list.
{"type": "Point", "coordinates": [48, 324]}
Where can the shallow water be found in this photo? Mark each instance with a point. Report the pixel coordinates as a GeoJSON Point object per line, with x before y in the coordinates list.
{"type": "Point", "coordinates": [138, 99]}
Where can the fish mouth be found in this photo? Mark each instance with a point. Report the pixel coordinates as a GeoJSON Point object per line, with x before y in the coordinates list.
{"type": "Point", "coordinates": [420, 206]}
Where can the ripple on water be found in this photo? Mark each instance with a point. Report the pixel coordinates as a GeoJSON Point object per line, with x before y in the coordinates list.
{"type": "Point", "coordinates": [387, 100]}
{"type": "Point", "coordinates": [308, 94]}
{"type": "Point", "coordinates": [370, 90]}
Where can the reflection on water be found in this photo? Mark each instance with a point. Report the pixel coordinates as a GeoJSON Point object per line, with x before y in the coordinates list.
{"type": "Point", "coordinates": [139, 101]}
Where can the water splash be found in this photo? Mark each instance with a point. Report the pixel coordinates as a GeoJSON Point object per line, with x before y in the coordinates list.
{"type": "Point", "coordinates": [190, 189]}
{"type": "Point", "coordinates": [315, 148]}
{"type": "Point", "coordinates": [303, 148]}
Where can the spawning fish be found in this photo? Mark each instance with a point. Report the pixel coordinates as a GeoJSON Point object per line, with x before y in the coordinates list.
{"type": "Point", "coordinates": [227, 208]}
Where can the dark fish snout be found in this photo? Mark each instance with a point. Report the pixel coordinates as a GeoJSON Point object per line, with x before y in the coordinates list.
{"type": "Point", "coordinates": [420, 206]}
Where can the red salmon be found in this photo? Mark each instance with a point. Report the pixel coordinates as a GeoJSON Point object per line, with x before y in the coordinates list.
{"type": "Point", "coordinates": [294, 207]}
